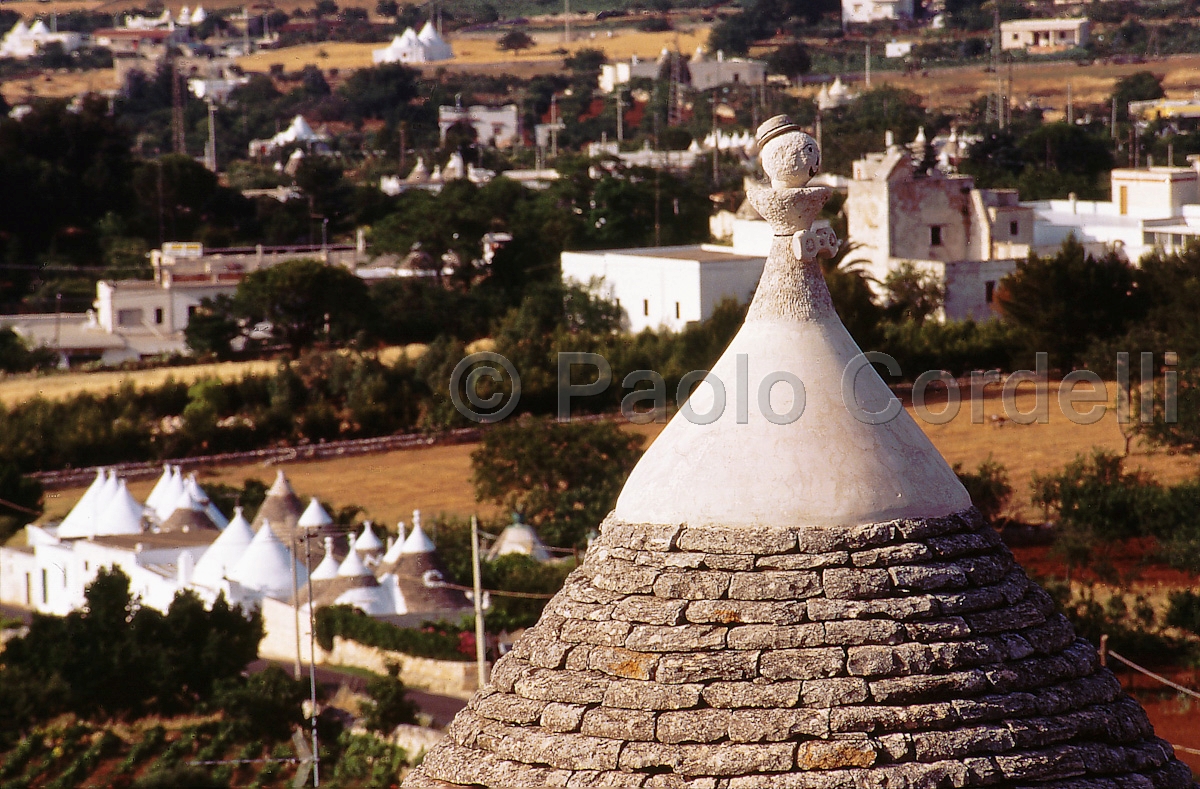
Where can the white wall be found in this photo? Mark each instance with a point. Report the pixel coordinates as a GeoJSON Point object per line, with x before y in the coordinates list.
{"type": "Point", "coordinates": [656, 291]}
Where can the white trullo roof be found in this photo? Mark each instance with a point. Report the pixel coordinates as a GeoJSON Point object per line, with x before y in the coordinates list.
{"type": "Point", "coordinates": [122, 515]}
{"type": "Point", "coordinates": [201, 496]}
{"type": "Point", "coordinates": [225, 552]}
{"type": "Point", "coordinates": [520, 538]}
{"type": "Point", "coordinates": [417, 541]}
{"type": "Point", "coordinates": [38, 28]}
{"type": "Point", "coordinates": [78, 522]}
{"type": "Point", "coordinates": [314, 516]}
{"type": "Point", "coordinates": [352, 566]}
{"type": "Point", "coordinates": [367, 541]}
{"type": "Point", "coordinates": [156, 493]}
{"type": "Point", "coordinates": [396, 548]}
{"type": "Point", "coordinates": [199, 15]}
{"type": "Point", "coordinates": [436, 47]}
{"type": "Point", "coordinates": [169, 498]}
{"type": "Point", "coordinates": [328, 568]}
{"type": "Point", "coordinates": [267, 566]}
{"type": "Point", "coordinates": [106, 492]}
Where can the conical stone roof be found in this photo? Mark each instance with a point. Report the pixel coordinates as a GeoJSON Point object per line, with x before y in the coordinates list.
{"type": "Point", "coordinates": [281, 508]}
{"type": "Point", "coordinates": [815, 629]}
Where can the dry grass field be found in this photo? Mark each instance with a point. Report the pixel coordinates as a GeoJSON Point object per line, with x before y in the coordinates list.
{"type": "Point", "coordinates": [1047, 82]}
{"type": "Point", "coordinates": [438, 479]}
{"type": "Point", "coordinates": [480, 50]}
{"type": "Point", "coordinates": [18, 389]}
{"type": "Point", "coordinates": [58, 86]}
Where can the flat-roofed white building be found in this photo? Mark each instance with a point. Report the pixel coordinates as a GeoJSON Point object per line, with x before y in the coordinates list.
{"type": "Point", "coordinates": [867, 11]}
{"type": "Point", "coordinates": [1044, 34]}
{"type": "Point", "coordinates": [670, 287]}
{"type": "Point", "coordinates": [1151, 208]}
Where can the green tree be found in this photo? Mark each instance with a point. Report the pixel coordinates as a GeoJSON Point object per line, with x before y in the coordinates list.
{"type": "Point", "coordinates": [212, 328]}
{"type": "Point", "coordinates": [792, 60]}
{"type": "Point", "coordinates": [913, 295]}
{"type": "Point", "coordinates": [20, 500]}
{"type": "Point", "coordinates": [300, 298]}
{"type": "Point", "coordinates": [988, 487]}
{"type": "Point", "coordinates": [564, 477]}
{"type": "Point", "coordinates": [515, 41]}
{"type": "Point", "coordinates": [388, 706]}
{"type": "Point", "coordinates": [1139, 86]}
{"type": "Point", "coordinates": [264, 705]}
{"type": "Point", "coordinates": [1068, 301]}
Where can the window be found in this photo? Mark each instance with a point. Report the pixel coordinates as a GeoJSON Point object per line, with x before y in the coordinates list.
{"type": "Point", "coordinates": [677, 310]}
{"type": "Point", "coordinates": [158, 315]}
{"type": "Point", "coordinates": [1014, 229]}
{"type": "Point", "coordinates": [192, 311]}
{"type": "Point", "coordinates": [646, 307]}
{"type": "Point", "coordinates": [989, 291]}
{"type": "Point", "coordinates": [618, 303]}
{"type": "Point", "coordinates": [935, 235]}
{"type": "Point", "coordinates": [45, 588]}
{"type": "Point", "coordinates": [1123, 194]}
{"type": "Point", "coordinates": [129, 317]}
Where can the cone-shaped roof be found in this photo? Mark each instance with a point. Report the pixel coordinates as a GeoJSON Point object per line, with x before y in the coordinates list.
{"type": "Point", "coordinates": [397, 546]}
{"type": "Point", "coordinates": [156, 493]}
{"type": "Point", "coordinates": [832, 622]}
{"type": "Point", "coordinates": [267, 565]}
{"type": "Point", "coordinates": [314, 516]}
{"type": "Point", "coordinates": [80, 521]}
{"type": "Point", "coordinates": [328, 568]}
{"type": "Point", "coordinates": [225, 552]}
{"type": "Point", "coordinates": [122, 515]}
{"type": "Point", "coordinates": [352, 566]}
{"type": "Point", "coordinates": [201, 496]}
{"type": "Point", "coordinates": [188, 514]}
{"type": "Point", "coordinates": [169, 498]}
{"type": "Point", "coordinates": [367, 542]}
{"type": "Point", "coordinates": [281, 508]}
{"type": "Point", "coordinates": [417, 541]}
{"type": "Point", "coordinates": [519, 537]}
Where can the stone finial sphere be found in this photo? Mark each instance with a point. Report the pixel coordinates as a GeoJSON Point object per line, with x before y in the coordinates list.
{"type": "Point", "coordinates": [789, 157]}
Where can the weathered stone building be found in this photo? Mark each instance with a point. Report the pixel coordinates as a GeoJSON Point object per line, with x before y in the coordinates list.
{"type": "Point", "coordinates": [967, 238]}
{"type": "Point", "coordinates": [794, 591]}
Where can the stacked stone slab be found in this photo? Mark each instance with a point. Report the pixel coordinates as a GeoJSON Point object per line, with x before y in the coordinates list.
{"type": "Point", "coordinates": [806, 602]}
{"type": "Point", "coordinates": [912, 653]}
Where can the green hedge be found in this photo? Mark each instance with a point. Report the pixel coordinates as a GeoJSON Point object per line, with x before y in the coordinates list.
{"type": "Point", "coordinates": [437, 641]}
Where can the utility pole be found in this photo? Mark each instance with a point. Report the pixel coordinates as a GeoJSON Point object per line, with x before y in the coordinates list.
{"type": "Point", "coordinates": [566, 29]}
{"type": "Point", "coordinates": [1070, 106]}
{"type": "Point", "coordinates": [620, 117]}
{"type": "Point", "coordinates": [818, 129]}
{"type": "Point", "coordinates": [312, 656]}
{"type": "Point", "coordinates": [403, 144]}
{"type": "Point", "coordinates": [716, 142]}
{"type": "Point", "coordinates": [1113, 124]}
{"type": "Point", "coordinates": [480, 634]}
{"type": "Point", "coordinates": [996, 66]}
{"type": "Point", "coordinates": [178, 141]}
{"type": "Point", "coordinates": [210, 150]}
{"type": "Point", "coordinates": [867, 60]}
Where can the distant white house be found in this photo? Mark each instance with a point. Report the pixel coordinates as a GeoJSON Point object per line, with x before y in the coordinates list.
{"type": "Point", "coordinates": [1043, 34]}
{"type": "Point", "coordinates": [706, 72]}
{"type": "Point", "coordinates": [1151, 208]}
{"type": "Point", "coordinates": [670, 287]}
{"type": "Point", "coordinates": [498, 127]}
{"type": "Point", "coordinates": [867, 11]}
{"type": "Point", "coordinates": [412, 47]}
{"type": "Point", "coordinates": [22, 42]}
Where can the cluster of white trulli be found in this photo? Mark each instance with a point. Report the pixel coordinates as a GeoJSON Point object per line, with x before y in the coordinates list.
{"type": "Point", "coordinates": [22, 41]}
{"type": "Point", "coordinates": [412, 47]}
{"type": "Point", "coordinates": [179, 540]}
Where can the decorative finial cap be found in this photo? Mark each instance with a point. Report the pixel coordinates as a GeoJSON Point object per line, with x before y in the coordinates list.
{"type": "Point", "coordinates": [773, 127]}
{"type": "Point", "coordinates": [789, 157]}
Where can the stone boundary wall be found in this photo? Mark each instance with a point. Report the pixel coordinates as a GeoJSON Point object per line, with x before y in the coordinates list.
{"type": "Point", "coordinates": [443, 677]}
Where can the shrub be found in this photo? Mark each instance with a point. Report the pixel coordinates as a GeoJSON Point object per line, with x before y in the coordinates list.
{"type": "Point", "coordinates": [988, 487]}
{"type": "Point", "coordinates": [439, 642]}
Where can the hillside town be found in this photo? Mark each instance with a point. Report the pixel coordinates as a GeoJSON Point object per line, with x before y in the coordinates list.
{"type": "Point", "coordinates": [648, 394]}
